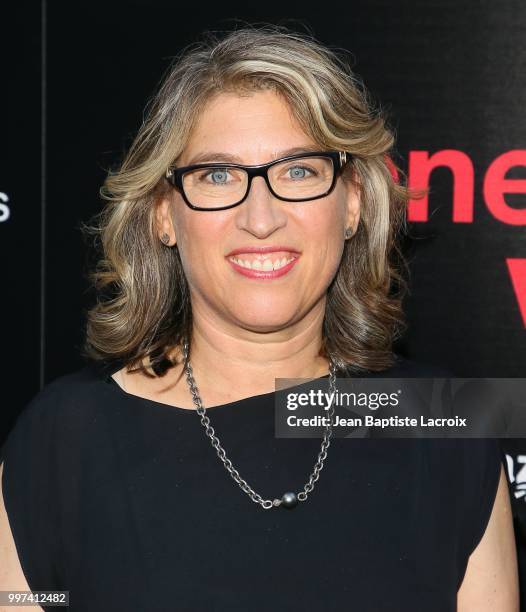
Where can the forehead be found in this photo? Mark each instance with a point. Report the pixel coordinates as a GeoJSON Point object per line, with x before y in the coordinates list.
{"type": "Point", "coordinates": [254, 127]}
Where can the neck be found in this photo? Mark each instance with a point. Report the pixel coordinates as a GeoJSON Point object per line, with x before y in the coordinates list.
{"type": "Point", "coordinates": [244, 362]}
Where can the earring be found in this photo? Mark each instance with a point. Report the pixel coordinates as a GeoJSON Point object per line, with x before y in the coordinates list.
{"type": "Point", "coordinates": [348, 233]}
{"type": "Point", "coordinates": [165, 239]}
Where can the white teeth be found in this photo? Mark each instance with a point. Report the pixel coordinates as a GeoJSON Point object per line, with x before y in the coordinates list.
{"type": "Point", "coordinates": [266, 266]}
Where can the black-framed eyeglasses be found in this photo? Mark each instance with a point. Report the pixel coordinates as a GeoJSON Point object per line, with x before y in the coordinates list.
{"type": "Point", "coordinates": [295, 178]}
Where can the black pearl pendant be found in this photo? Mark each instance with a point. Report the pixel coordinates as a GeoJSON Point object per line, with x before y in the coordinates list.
{"type": "Point", "coordinates": [289, 500]}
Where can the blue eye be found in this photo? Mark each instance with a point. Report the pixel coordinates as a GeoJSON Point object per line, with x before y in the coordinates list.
{"type": "Point", "coordinates": [219, 176]}
{"type": "Point", "coordinates": [299, 172]}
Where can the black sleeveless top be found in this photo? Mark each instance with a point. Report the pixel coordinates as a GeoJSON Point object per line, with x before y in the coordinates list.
{"type": "Point", "coordinates": [123, 501]}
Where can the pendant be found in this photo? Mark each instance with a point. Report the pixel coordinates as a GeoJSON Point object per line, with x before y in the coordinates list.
{"type": "Point", "coordinates": [289, 500]}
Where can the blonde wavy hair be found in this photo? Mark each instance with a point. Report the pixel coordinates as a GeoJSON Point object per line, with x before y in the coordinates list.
{"type": "Point", "coordinates": [143, 308]}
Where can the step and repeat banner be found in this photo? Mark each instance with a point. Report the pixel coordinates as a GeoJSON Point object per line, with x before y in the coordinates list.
{"type": "Point", "coordinates": [451, 78]}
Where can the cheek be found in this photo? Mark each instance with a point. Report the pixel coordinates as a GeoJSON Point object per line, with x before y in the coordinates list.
{"type": "Point", "coordinates": [199, 241]}
{"type": "Point", "coordinates": [324, 236]}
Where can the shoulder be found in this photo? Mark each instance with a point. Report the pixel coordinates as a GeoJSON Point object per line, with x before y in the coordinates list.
{"type": "Point", "coordinates": [403, 367]}
{"type": "Point", "coordinates": [69, 391]}
{"type": "Point", "coordinates": [73, 384]}
{"type": "Point", "coordinates": [470, 467]}
{"type": "Point", "coordinates": [412, 368]}
{"type": "Point", "coordinates": [461, 475]}
{"type": "Point", "coordinates": [63, 407]}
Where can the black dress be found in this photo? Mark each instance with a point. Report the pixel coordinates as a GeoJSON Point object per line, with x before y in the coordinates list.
{"type": "Point", "coordinates": [124, 502]}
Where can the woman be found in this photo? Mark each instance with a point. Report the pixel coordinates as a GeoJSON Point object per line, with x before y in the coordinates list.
{"type": "Point", "coordinates": [250, 235]}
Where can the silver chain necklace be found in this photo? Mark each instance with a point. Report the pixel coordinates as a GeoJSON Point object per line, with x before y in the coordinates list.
{"type": "Point", "coordinates": [288, 499]}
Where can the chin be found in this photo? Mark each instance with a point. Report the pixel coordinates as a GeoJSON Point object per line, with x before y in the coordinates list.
{"type": "Point", "coordinates": [264, 322]}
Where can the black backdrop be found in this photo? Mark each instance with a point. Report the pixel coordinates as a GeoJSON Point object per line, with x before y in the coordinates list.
{"type": "Point", "coordinates": [451, 77]}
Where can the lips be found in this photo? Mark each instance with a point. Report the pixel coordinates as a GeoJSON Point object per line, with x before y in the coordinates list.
{"type": "Point", "coordinates": [265, 262]}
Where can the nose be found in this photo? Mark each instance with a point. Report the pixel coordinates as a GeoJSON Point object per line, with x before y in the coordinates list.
{"type": "Point", "coordinates": [261, 213]}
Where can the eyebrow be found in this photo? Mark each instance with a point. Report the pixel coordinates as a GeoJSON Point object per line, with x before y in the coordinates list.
{"type": "Point", "coordinates": [210, 156]}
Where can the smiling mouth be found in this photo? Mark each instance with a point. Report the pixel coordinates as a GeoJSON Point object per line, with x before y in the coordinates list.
{"type": "Point", "coordinates": [272, 264]}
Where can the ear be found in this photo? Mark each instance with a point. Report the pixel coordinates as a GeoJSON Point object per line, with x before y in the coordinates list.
{"type": "Point", "coordinates": [163, 220]}
{"type": "Point", "coordinates": [353, 203]}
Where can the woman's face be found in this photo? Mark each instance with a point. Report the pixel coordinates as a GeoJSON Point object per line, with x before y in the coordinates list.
{"type": "Point", "coordinates": [256, 129]}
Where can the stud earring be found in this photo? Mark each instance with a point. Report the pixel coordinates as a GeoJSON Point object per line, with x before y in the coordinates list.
{"type": "Point", "coordinates": [165, 239]}
{"type": "Point", "coordinates": [348, 233]}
